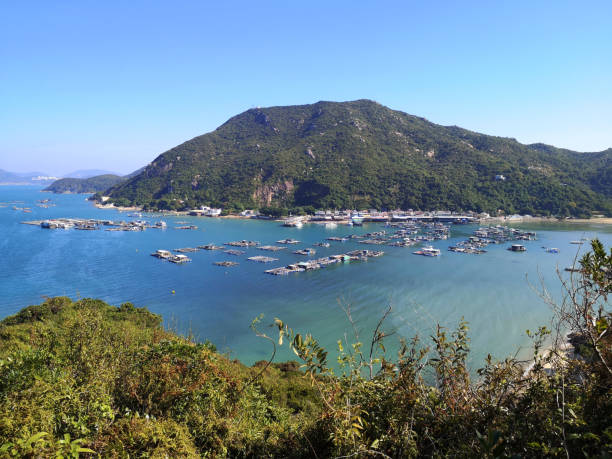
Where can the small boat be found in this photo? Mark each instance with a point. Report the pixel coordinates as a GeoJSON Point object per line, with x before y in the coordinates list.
{"type": "Point", "coordinates": [577, 242]}
{"type": "Point", "coordinates": [357, 221]}
{"type": "Point", "coordinates": [293, 223]}
{"type": "Point", "coordinates": [428, 251]}
{"type": "Point", "coordinates": [552, 250]}
{"type": "Point", "coordinates": [517, 248]}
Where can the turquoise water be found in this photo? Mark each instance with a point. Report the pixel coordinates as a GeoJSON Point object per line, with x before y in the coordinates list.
{"type": "Point", "coordinates": [491, 290]}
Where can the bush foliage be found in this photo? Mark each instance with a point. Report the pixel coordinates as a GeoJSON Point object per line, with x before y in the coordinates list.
{"type": "Point", "coordinates": [82, 378]}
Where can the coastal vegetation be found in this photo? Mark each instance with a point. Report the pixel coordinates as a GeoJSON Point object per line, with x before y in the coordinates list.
{"type": "Point", "coordinates": [83, 378]}
{"type": "Point", "coordinates": [85, 185]}
{"type": "Point", "coordinates": [360, 154]}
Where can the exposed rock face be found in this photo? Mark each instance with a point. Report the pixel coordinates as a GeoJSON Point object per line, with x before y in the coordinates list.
{"type": "Point", "coordinates": [267, 194]}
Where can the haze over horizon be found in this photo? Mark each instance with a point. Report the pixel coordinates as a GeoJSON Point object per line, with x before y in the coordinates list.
{"type": "Point", "coordinates": [111, 86]}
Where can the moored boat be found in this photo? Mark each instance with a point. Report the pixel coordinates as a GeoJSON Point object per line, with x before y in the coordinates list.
{"type": "Point", "coordinates": [428, 251]}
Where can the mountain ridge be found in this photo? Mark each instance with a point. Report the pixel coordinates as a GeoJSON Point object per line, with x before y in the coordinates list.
{"type": "Point", "coordinates": [362, 154]}
{"type": "Point", "coordinates": [25, 178]}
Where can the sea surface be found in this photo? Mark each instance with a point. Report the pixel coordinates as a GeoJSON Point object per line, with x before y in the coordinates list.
{"type": "Point", "coordinates": [495, 292]}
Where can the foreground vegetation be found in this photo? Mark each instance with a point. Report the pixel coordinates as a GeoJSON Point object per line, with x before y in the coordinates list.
{"type": "Point", "coordinates": [360, 154]}
{"type": "Point", "coordinates": [82, 378]}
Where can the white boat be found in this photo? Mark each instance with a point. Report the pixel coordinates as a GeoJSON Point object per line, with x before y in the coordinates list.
{"type": "Point", "coordinates": [428, 251]}
{"type": "Point", "coordinates": [293, 223]}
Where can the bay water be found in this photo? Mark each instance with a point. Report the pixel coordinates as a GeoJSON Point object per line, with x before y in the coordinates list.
{"type": "Point", "coordinates": [495, 292]}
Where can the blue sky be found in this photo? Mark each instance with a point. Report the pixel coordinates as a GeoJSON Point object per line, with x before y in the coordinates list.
{"type": "Point", "coordinates": [110, 85]}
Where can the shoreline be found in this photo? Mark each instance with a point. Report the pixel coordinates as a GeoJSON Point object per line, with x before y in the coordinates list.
{"type": "Point", "coordinates": [529, 219]}
{"type": "Point", "coordinates": [489, 220]}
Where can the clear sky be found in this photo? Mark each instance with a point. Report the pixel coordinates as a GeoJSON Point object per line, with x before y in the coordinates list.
{"type": "Point", "coordinates": [110, 85]}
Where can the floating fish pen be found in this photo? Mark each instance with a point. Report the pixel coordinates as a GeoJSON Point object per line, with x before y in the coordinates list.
{"type": "Point", "coordinates": [126, 228]}
{"type": "Point", "coordinates": [307, 252]}
{"type": "Point", "coordinates": [310, 265]}
{"type": "Point", "coordinates": [322, 244]}
{"type": "Point", "coordinates": [280, 271]}
{"type": "Point", "coordinates": [243, 243]}
{"type": "Point", "coordinates": [466, 249]}
{"type": "Point", "coordinates": [186, 227]}
{"type": "Point", "coordinates": [271, 248]}
{"type": "Point", "coordinates": [225, 263]}
{"type": "Point", "coordinates": [337, 239]}
{"type": "Point", "coordinates": [234, 252]}
{"type": "Point", "coordinates": [374, 241]}
{"type": "Point", "coordinates": [366, 253]}
{"type": "Point", "coordinates": [288, 241]}
{"type": "Point", "coordinates": [211, 247]}
{"type": "Point", "coordinates": [179, 259]}
{"type": "Point", "coordinates": [54, 224]}
{"type": "Point", "coordinates": [261, 259]}
{"type": "Point", "coordinates": [499, 234]}
{"type": "Point", "coordinates": [404, 243]}
{"type": "Point", "coordinates": [375, 234]}
{"type": "Point", "coordinates": [186, 250]}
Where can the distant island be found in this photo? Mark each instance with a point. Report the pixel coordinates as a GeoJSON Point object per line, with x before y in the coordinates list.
{"type": "Point", "coordinates": [84, 185]}
{"type": "Point", "coordinates": [82, 182]}
{"type": "Point", "coordinates": [88, 173]}
{"type": "Point", "coordinates": [360, 155]}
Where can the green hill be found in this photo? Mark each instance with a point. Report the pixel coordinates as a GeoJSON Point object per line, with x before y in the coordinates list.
{"type": "Point", "coordinates": [84, 185]}
{"type": "Point", "coordinates": [361, 154]}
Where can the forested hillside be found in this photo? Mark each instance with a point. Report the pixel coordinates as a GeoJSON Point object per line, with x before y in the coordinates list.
{"type": "Point", "coordinates": [361, 154]}
{"type": "Point", "coordinates": [84, 185]}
